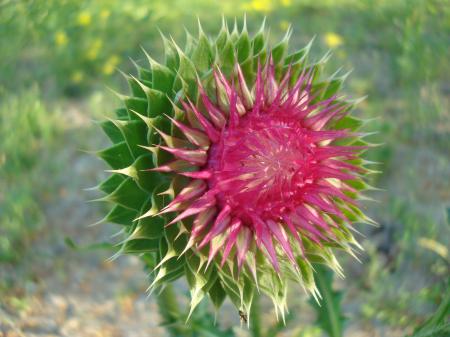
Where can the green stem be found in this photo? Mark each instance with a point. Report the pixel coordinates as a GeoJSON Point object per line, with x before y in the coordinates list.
{"type": "Point", "coordinates": [255, 317]}
{"type": "Point", "coordinates": [329, 312]}
{"type": "Point", "coordinates": [168, 309]}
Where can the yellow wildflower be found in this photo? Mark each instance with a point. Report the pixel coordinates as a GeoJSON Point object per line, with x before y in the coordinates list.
{"type": "Point", "coordinates": [107, 69]}
{"type": "Point", "coordinates": [104, 14]}
{"type": "Point", "coordinates": [258, 6]}
{"type": "Point", "coordinates": [110, 65]}
{"type": "Point", "coordinates": [77, 76]}
{"type": "Point", "coordinates": [84, 18]}
{"type": "Point", "coordinates": [61, 38]}
{"type": "Point", "coordinates": [114, 59]}
{"type": "Point", "coordinates": [92, 54]}
{"type": "Point", "coordinates": [333, 40]}
{"type": "Point", "coordinates": [94, 49]}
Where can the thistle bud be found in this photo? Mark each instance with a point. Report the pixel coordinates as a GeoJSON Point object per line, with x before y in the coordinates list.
{"type": "Point", "coordinates": [236, 165]}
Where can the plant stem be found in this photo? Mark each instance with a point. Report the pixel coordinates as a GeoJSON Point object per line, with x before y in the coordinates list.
{"type": "Point", "coordinates": [255, 317]}
{"type": "Point", "coordinates": [329, 312]}
{"type": "Point", "coordinates": [168, 309]}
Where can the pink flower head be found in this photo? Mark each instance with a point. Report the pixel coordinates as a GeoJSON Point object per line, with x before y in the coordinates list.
{"type": "Point", "coordinates": [266, 168]}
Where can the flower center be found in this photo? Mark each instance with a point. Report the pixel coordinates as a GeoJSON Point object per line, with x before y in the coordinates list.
{"type": "Point", "coordinates": [260, 165]}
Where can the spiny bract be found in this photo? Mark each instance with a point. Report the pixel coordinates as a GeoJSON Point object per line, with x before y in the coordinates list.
{"type": "Point", "coordinates": [237, 165]}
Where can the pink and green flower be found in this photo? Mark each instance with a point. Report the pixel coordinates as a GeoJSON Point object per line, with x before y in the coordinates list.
{"type": "Point", "coordinates": [237, 165]}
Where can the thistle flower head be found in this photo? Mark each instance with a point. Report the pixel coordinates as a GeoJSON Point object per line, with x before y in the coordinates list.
{"type": "Point", "coordinates": [236, 166]}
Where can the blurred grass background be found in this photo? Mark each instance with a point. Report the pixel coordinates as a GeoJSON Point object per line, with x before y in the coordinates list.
{"type": "Point", "coordinates": [58, 58]}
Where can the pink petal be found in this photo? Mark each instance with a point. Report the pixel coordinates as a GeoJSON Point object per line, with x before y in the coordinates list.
{"type": "Point", "coordinates": [212, 133]}
{"type": "Point", "coordinates": [202, 221]}
{"type": "Point", "coordinates": [243, 244]}
{"type": "Point", "coordinates": [235, 228]}
{"type": "Point", "coordinates": [220, 224]}
{"type": "Point", "coordinates": [282, 239]}
{"type": "Point", "coordinates": [266, 239]}
{"type": "Point", "coordinates": [204, 202]}
{"type": "Point", "coordinates": [173, 166]}
{"type": "Point", "coordinates": [192, 190]}
{"type": "Point", "coordinates": [195, 136]}
{"type": "Point", "coordinates": [196, 157]}
{"type": "Point", "coordinates": [294, 232]}
{"type": "Point", "coordinates": [214, 112]}
{"type": "Point", "coordinates": [243, 89]}
{"type": "Point", "coordinates": [197, 174]}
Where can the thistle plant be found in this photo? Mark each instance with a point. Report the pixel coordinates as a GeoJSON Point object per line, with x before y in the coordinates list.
{"type": "Point", "coordinates": [235, 164]}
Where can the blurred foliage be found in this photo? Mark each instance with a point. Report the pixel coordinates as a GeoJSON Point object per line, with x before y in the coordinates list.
{"type": "Point", "coordinates": [399, 52]}
{"type": "Point", "coordinates": [438, 324]}
{"type": "Point", "coordinates": [28, 132]}
{"type": "Point", "coordinates": [69, 44]}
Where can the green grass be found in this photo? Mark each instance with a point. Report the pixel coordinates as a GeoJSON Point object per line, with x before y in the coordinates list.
{"type": "Point", "coordinates": [28, 131]}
